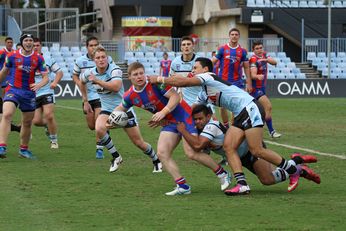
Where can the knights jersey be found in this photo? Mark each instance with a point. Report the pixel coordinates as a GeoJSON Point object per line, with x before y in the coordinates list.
{"type": "Point", "coordinates": [23, 68]}
{"type": "Point", "coordinates": [262, 69]}
{"type": "Point", "coordinates": [152, 98]}
{"type": "Point", "coordinates": [165, 64]}
{"type": "Point", "coordinates": [231, 59]}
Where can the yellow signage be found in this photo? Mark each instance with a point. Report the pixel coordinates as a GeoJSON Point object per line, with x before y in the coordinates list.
{"type": "Point", "coordinates": [146, 22]}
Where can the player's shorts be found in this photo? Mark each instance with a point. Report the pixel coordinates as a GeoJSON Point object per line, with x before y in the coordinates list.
{"type": "Point", "coordinates": [251, 116]}
{"type": "Point", "coordinates": [172, 127]}
{"type": "Point", "coordinates": [44, 100]}
{"type": "Point", "coordinates": [95, 103]}
{"type": "Point", "coordinates": [240, 83]}
{"type": "Point", "coordinates": [25, 99]}
{"type": "Point", "coordinates": [4, 83]}
{"type": "Point", "coordinates": [131, 115]}
{"type": "Point", "coordinates": [1, 105]}
{"type": "Point", "coordinates": [258, 93]}
{"type": "Point", "coordinates": [248, 161]}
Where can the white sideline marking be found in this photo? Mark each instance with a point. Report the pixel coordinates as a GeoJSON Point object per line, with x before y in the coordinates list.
{"type": "Point", "coordinates": [266, 141]}
{"type": "Point", "coordinates": [306, 150]}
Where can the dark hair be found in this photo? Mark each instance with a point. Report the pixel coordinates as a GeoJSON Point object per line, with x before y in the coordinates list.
{"type": "Point", "coordinates": [37, 40]}
{"type": "Point", "coordinates": [213, 52]}
{"type": "Point", "coordinates": [8, 38]}
{"type": "Point", "coordinates": [89, 39]}
{"type": "Point", "coordinates": [233, 29]}
{"type": "Point", "coordinates": [256, 43]}
{"type": "Point", "coordinates": [205, 62]}
{"type": "Point", "coordinates": [134, 66]}
{"type": "Point", "coordinates": [201, 108]}
{"type": "Point", "coordinates": [187, 38]}
{"type": "Point", "coordinates": [165, 53]}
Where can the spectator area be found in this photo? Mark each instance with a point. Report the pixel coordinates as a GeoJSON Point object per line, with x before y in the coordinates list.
{"type": "Point", "coordinates": [294, 3]}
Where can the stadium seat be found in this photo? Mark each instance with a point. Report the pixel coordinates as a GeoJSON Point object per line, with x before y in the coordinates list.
{"type": "Point", "coordinates": [285, 3]}
{"type": "Point", "coordinates": [311, 56]}
{"type": "Point", "coordinates": [178, 53]}
{"type": "Point", "coordinates": [271, 54]}
{"type": "Point", "coordinates": [281, 55]}
{"type": "Point", "coordinates": [139, 54]}
{"type": "Point", "coordinates": [201, 54]}
{"type": "Point", "coordinates": [337, 4]}
{"type": "Point", "coordinates": [64, 49]}
{"type": "Point", "coordinates": [66, 54]}
{"type": "Point", "coordinates": [44, 49]}
{"type": "Point", "coordinates": [128, 55]}
{"type": "Point", "coordinates": [291, 65]}
{"type": "Point", "coordinates": [159, 54]}
{"type": "Point", "coordinates": [69, 60]}
{"type": "Point", "coordinates": [131, 60]}
{"type": "Point", "coordinates": [84, 50]}
{"type": "Point", "coordinates": [75, 49]}
{"type": "Point", "coordinates": [301, 76]}
{"type": "Point", "coordinates": [54, 49]}
{"type": "Point", "coordinates": [281, 65]}
{"type": "Point", "coordinates": [251, 3]}
{"type": "Point", "coordinates": [294, 3]}
{"type": "Point", "coordinates": [312, 4]}
{"type": "Point", "coordinates": [149, 71]}
{"type": "Point", "coordinates": [342, 65]}
{"type": "Point", "coordinates": [295, 71]}
{"type": "Point", "coordinates": [303, 4]}
{"type": "Point", "coordinates": [321, 55]}
{"type": "Point", "coordinates": [149, 54]}
{"type": "Point", "coordinates": [342, 54]}
{"type": "Point", "coordinates": [285, 71]}
{"type": "Point", "coordinates": [275, 71]}
{"type": "Point", "coordinates": [320, 4]}
{"type": "Point", "coordinates": [290, 76]}
{"type": "Point", "coordinates": [260, 3]}
{"type": "Point", "coordinates": [280, 76]}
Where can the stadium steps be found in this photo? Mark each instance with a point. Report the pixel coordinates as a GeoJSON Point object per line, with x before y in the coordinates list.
{"type": "Point", "coordinates": [308, 70]}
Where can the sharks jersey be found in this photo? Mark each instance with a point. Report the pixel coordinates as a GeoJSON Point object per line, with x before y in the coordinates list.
{"type": "Point", "coordinates": [81, 65]}
{"type": "Point", "coordinates": [109, 99]}
{"type": "Point", "coordinates": [215, 132]}
{"type": "Point", "coordinates": [220, 93]}
{"type": "Point", "coordinates": [179, 66]}
{"type": "Point", "coordinates": [53, 67]}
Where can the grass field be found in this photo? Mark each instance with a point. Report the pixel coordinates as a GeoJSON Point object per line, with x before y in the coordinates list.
{"type": "Point", "coordinates": [68, 189]}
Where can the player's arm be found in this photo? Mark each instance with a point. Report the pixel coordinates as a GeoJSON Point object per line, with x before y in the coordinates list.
{"type": "Point", "coordinates": [58, 76]}
{"type": "Point", "coordinates": [44, 81]}
{"type": "Point", "coordinates": [253, 72]}
{"type": "Point", "coordinates": [246, 66]}
{"type": "Point", "coordinates": [114, 85]}
{"type": "Point", "coordinates": [161, 69]}
{"type": "Point", "coordinates": [173, 101]}
{"type": "Point", "coordinates": [271, 61]}
{"type": "Point", "coordinates": [214, 60]}
{"type": "Point", "coordinates": [3, 73]}
{"type": "Point", "coordinates": [196, 142]}
{"type": "Point", "coordinates": [176, 81]}
{"type": "Point", "coordinates": [83, 89]}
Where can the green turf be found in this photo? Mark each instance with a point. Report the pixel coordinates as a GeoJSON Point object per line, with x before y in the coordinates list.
{"type": "Point", "coordinates": [68, 189]}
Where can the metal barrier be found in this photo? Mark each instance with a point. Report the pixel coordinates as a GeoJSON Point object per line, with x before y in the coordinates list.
{"type": "Point", "coordinates": [321, 44]}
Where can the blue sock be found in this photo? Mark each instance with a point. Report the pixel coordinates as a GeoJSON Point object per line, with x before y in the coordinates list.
{"type": "Point", "coordinates": [270, 125]}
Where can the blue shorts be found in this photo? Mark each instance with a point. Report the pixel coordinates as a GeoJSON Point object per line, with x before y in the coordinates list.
{"type": "Point", "coordinates": [172, 127]}
{"type": "Point", "coordinates": [258, 92]}
{"type": "Point", "coordinates": [25, 99]}
{"type": "Point", "coordinates": [239, 83]}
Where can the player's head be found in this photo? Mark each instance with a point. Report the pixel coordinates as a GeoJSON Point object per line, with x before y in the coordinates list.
{"type": "Point", "coordinates": [37, 45]}
{"type": "Point", "coordinates": [186, 45]}
{"type": "Point", "coordinates": [234, 35]}
{"type": "Point", "coordinates": [8, 43]}
{"type": "Point", "coordinates": [18, 46]}
{"type": "Point", "coordinates": [91, 43]}
{"type": "Point", "coordinates": [213, 53]}
{"type": "Point", "coordinates": [201, 114]}
{"type": "Point", "coordinates": [27, 42]}
{"type": "Point", "coordinates": [165, 55]}
{"type": "Point", "coordinates": [136, 74]}
{"type": "Point", "coordinates": [202, 65]}
{"type": "Point", "coordinates": [100, 57]}
{"type": "Point", "coordinates": [257, 47]}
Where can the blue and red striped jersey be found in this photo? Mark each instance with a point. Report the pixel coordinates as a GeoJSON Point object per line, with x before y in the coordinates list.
{"type": "Point", "coordinates": [255, 61]}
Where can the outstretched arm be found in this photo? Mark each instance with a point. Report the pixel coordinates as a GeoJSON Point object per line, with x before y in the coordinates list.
{"type": "Point", "coordinates": [176, 81]}
{"type": "Point", "coordinates": [196, 142]}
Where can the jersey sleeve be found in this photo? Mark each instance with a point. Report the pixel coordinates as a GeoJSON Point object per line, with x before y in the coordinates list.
{"type": "Point", "coordinates": [116, 74]}
{"type": "Point", "coordinates": [42, 65]}
{"type": "Point", "coordinates": [126, 102]}
{"type": "Point", "coordinates": [84, 77]}
{"type": "Point", "coordinates": [219, 53]}
{"type": "Point", "coordinates": [9, 61]}
{"type": "Point", "coordinates": [210, 131]}
{"type": "Point", "coordinates": [76, 68]}
{"type": "Point", "coordinates": [244, 57]}
{"type": "Point", "coordinates": [253, 62]}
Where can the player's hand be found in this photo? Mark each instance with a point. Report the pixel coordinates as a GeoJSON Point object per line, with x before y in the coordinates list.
{"type": "Point", "coordinates": [181, 127]}
{"type": "Point", "coordinates": [154, 124]}
{"type": "Point", "coordinates": [158, 116]}
{"type": "Point", "coordinates": [53, 85]}
{"type": "Point", "coordinates": [92, 78]}
{"type": "Point", "coordinates": [248, 88]}
{"type": "Point", "coordinates": [260, 77]}
{"type": "Point", "coordinates": [34, 87]}
{"type": "Point", "coordinates": [87, 108]}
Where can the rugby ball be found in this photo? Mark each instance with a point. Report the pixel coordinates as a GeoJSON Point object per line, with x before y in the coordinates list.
{"type": "Point", "coordinates": [118, 119]}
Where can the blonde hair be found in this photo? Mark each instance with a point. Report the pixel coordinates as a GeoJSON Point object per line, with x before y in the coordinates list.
{"type": "Point", "coordinates": [134, 66]}
{"type": "Point", "coordinates": [99, 48]}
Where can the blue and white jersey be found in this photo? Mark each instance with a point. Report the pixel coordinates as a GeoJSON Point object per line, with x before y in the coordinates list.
{"type": "Point", "coordinates": [109, 99]}
{"type": "Point", "coordinates": [220, 93]}
{"type": "Point", "coordinates": [179, 66]}
{"type": "Point", "coordinates": [53, 67]}
{"type": "Point", "coordinates": [82, 64]}
{"type": "Point", "coordinates": [215, 132]}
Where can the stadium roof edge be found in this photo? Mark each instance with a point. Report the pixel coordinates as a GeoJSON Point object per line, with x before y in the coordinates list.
{"type": "Point", "coordinates": [226, 12]}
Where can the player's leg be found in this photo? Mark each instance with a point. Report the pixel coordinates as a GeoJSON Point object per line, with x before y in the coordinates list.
{"type": "Point", "coordinates": [48, 113]}
{"type": "Point", "coordinates": [265, 102]}
{"type": "Point", "coordinates": [9, 109]}
{"type": "Point", "coordinates": [268, 174]}
{"type": "Point", "coordinates": [165, 145]}
{"type": "Point", "coordinates": [14, 127]}
{"type": "Point", "coordinates": [136, 138]}
{"type": "Point", "coordinates": [209, 162]}
{"type": "Point", "coordinates": [25, 134]}
{"type": "Point", "coordinates": [106, 140]}
{"type": "Point", "coordinates": [233, 138]}
{"type": "Point", "coordinates": [224, 116]}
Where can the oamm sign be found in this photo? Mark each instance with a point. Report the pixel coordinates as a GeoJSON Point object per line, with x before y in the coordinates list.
{"type": "Point", "coordinates": [306, 88]}
{"type": "Point", "coordinates": [67, 89]}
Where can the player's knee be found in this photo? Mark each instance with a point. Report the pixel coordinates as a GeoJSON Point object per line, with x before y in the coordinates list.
{"type": "Point", "coordinates": [266, 180]}
{"type": "Point", "coordinates": [258, 152]}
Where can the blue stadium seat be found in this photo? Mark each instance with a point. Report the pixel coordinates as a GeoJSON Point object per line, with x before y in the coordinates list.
{"type": "Point", "coordinates": [84, 50]}
{"type": "Point", "coordinates": [149, 71]}
{"type": "Point", "coordinates": [201, 53]}
{"type": "Point", "coordinates": [301, 76]}
{"type": "Point", "coordinates": [290, 76]}
{"type": "Point", "coordinates": [341, 54]}
{"type": "Point", "coordinates": [178, 53]}
{"type": "Point", "coordinates": [44, 49]}
{"type": "Point", "coordinates": [131, 60]}
{"type": "Point", "coordinates": [54, 49]}
{"type": "Point", "coordinates": [303, 4]}
{"type": "Point", "coordinates": [260, 3]}
{"type": "Point", "coordinates": [321, 55]}
{"type": "Point", "coordinates": [281, 55]}
{"type": "Point", "coordinates": [280, 76]}
{"type": "Point", "coordinates": [159, 54]}
{"type": "Point", "coordinates": [275, 71]}
{"type": "Point", "coordinates": [281, 65]}
{"type": "Point", "coordinates": [337, 4]}
{"type": "Point", "coordinates": [251, 3]}
{"type": "Point", "coordinates": [291, 65]}
{"type": "Point", "coordinates": [128, 55]}
{"type": "Point", "coordinates": [149, 54]}
{"type": "Point", "coordinates": [77, 54]}
{"type": "Point", "coordinates": [272, 54]}
{"type": "Point", "coordinates": [311, 56]}
{"type": "Point", "coordinates": [295, 71]}
{"type": "Point", "coordinates": [139, 54]}
{"type": "Point", "coordinates": [75, 49]}
{"type": "Point", "coordinates": [64, 49]}
{"type": "Point", "coordinates": [294, 3]}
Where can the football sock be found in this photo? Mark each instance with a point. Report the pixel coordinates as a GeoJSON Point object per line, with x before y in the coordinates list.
{"type": "Point", "coordinates": [270, 125]}
{"type": "Point", "coordinates": [15, 128]}
{"type": "Point", "coordinates": [23, 147]}
{"type": "Point", "coordinates": [240, 177]}
{"type": "Point", "coordinates": [53, 138]}
{"type": "Point", "coordinates": [280, 175]}
{"type": "Point", "coordinates": [99, 145]}
{"type": "Point", "coordinates": [108, 143]}
{"type": "Point", "coordinates": [150, 152]}
{"type": "Point", "coordinates": [181, 182]}
{"type": "Point", "coordinates": [220, 171]}
{"type": "Point", "coordinates": [288, 166]}
{"type": "Point", "coordinates": [298, 160]}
